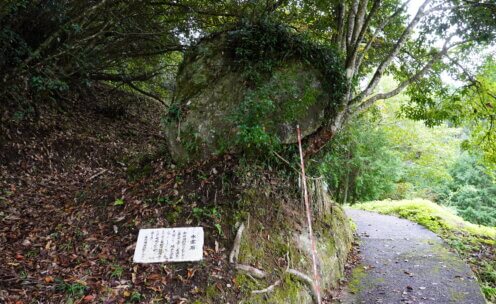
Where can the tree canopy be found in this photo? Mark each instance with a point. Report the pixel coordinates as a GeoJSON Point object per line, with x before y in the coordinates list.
{"type": "Point", "coordinates": [50, 46]}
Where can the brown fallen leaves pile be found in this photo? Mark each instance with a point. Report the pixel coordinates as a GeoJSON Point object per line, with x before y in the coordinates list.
{"type": "Point", "coordinates": [64, 237]}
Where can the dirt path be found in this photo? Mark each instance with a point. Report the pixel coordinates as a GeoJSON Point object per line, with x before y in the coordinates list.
{"type": "Point", "coordinates": [403, 262]}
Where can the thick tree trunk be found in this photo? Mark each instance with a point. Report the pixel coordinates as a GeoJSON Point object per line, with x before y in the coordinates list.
{"type": "Point", "coordinates": [316, 141]}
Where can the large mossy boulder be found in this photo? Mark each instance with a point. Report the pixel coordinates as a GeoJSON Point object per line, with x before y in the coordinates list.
{"type": "Point", "coordinates": [250, 87]}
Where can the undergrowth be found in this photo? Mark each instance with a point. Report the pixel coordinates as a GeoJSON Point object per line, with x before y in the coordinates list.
{"type": "Point", "coordinates": [475, 243]}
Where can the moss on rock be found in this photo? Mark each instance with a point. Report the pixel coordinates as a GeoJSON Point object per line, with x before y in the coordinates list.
{"type": "Point", "coordinates": [274, 246]}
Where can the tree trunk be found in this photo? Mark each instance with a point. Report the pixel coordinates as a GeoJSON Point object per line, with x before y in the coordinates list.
{"type": "Point", "coordinates": [317, 141]}
{"type": "Point", "coordinates": [338, 192]}
{"type": "Point", "coordinates": [349, 173]}
{"type": "Point", "coordinates": [346, 186]}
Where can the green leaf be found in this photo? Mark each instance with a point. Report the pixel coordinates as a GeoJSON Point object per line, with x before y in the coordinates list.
{"type": "Point", "coordinates": [119, 202]}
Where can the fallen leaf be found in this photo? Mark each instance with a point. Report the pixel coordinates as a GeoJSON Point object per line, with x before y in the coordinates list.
{"type": "Point", "coordinates": [48, 279]}
{"type": "Point", "coordinates": [153, 277]}
{"type": "Point", "coordinates": [195, 290]}
{"type": "Point", "coordinates": [89, 298]}
{"type": "Point", "coordinates": [191, 272]}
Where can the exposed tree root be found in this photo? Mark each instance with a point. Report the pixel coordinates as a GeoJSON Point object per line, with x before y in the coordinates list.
{"type": "Point", "coordinates": [233, 256]}
{"type": "Point", "coordinates": [306, 279]}
{"type": "Point", "coordinates": [268, 289]}
{"type": "Point", "coordinates": [255, 272]}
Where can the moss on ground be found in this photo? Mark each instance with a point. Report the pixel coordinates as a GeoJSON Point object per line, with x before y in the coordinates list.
{"type": "Point", "coordinates": [475, 243]}
{"type": "Point", "coordinates": [430, 215]}
{"type": "Point", "coordinates": [356, 278]}
{"type": "Point", "coordinates": [288, 292]}
{"type": "Point", "coordinates": [271, 248]}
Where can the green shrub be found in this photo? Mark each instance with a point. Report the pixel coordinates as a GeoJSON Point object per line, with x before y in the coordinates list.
{"type": "Point", "coordinates": [253, 120]}
{"type": "Point", "coordinates": [72, 290]}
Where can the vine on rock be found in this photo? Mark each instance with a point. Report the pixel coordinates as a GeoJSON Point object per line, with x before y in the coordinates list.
{"type": "Point", "coordinates": [257, 50]}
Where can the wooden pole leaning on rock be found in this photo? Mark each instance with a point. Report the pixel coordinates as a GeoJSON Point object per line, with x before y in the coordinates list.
{"type": "Point", "coordinates": [316, 277]}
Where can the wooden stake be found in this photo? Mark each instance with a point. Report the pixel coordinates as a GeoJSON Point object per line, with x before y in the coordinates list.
{"type": "Point", "coordinates": [309, 220]}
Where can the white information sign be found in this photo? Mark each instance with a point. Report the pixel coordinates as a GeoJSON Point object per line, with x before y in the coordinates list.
{"type": "Point", "coordinates": [169, 245]}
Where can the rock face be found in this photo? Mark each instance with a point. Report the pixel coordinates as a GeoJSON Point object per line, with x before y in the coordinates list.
{"type": "Point", "coordinates": [214, 98]}
{"type": "Point", "coordinates": [333, 244]}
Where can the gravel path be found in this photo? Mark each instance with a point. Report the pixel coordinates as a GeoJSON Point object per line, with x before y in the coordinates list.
{"type": "Point", "coordinates": [402, 262]}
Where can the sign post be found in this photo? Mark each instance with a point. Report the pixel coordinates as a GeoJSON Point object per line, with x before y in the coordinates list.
{"type": "Point", "coordinates": [169, 245]}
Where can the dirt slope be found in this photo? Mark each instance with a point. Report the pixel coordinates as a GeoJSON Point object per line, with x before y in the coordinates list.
{"type": "Point", "coordinates": [62, 238]}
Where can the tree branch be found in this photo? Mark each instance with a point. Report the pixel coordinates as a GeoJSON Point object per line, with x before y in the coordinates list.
{"type": "Point", "coordinates": [360, 26]}
{"type": "Point", "coordinates": [376, 33]}
{"type": "Point", "coordinates": [351, 23]}
{"type": "Point", "coordinates": [190, 9]}
{"type": "Point", "coordinates": [339, 37]}
{"type": "Point", "coordinates": [126, 78]}
{"type": "Point", "coordinates": [155, 53]}
{"type": "Point", "coordinates": [47, 42]}
{"type": "Point", "coordinates": [369, 102]}
{"type": "Point", "coordinates": [365, 24]}
{"type": "Point", "coordinates": [387, 61]}
{"type": "Point", "coordinates": [464, 70]}
{"type": "Point", "coordinates": [359, 20]}
{"type": "Point", "coordinates": [149, 94]}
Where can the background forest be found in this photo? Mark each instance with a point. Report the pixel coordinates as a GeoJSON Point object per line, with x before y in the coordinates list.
{"type": "Point", "coordinates": [383, 155]}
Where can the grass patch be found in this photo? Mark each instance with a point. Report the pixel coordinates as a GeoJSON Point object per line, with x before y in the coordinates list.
{"type": "Point", "coordinates": [475, 243]}
{"type": "Point", "coordinates": [72, 290]}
